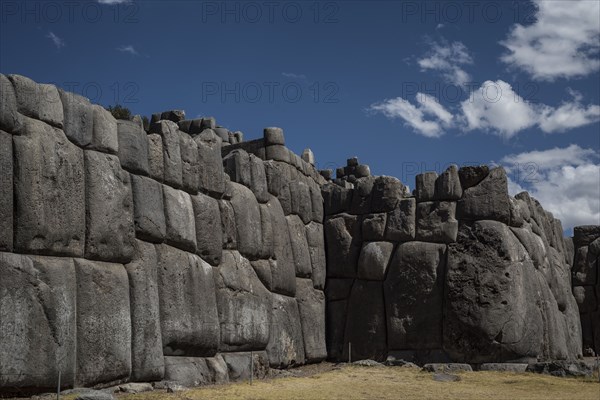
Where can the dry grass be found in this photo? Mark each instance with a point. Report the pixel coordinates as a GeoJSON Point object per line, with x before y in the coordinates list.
{"type": "Point", "coordinates": [396, 383]}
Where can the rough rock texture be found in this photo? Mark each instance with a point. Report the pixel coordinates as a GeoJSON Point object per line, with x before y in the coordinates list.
{"type": "Point", "coordinates": [238, 365]}
{"type": "Point", "coordinates": [487, 200]}
{"type": "Point", "coordinates": [436, 222]}
{"type": "Point", "coordinates": [6, 192]}
{"type": "Point", "coordinates": [179, 215]}
{"type": "Point", "coordinates": [311, 304]}
{"type": "Point", "coordinates": [283, 276]}
{"type": "Point", "coordinates": [146, 337]}
{"type": "Point", "coordinates": [286, 345]}
{"type": "Point", "coordinates": [373, 260]}
{"type": "Point", "coordinates": [401, 221]}
{"type": "Point", "coordinates": [156, 158]}
{"type": "Point", "coordinates": [49, 192]}
{"type": "Point", "coordinates": [244, 305]}
{"type": "Point", "coordinates": [148, 209]}
{"type": "Point", "coordinates": [38, 100]}
{"type": "Point", "coordinates": [188, 304]}
{"type": "Point", "coordinates": [110, 231]}
{"type": "Point", "coordinates": [173, 170]}
{"type": "Point", "coordinates": [209, 235]}
{"type": "Point", "coordinates": [316, 248]}
{"type": "Point", "coordinates": [133, 147]}
{"type": "Point", "coordinates": [247, 221]}
{"type": "Point", "coordinates": [190, 167]}
{"type": "Point", "coordinates": [103, 323]}
{"type": "Point", "coordinates": [212, 177]}
{"type": "Point", "coordinates": [299, 244]}
{"type": "Point", "coordinates": [10, 119]}
{"type": "Point", "coordinates": [342, 235]}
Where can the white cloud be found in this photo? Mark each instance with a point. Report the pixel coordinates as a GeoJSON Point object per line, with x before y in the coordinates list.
{"type": "Point", "coordinates": [114, 1]}
{"type": "Point", "coordinates": [566, 181]}
{"type": "Point", "coordinates": [447, 58]}
{"type": "Point", "coordinates": [294, 76]}
{"type": "Point", "coordinates": [128, 49]}
{"type": "Point", "coordinates": [497, 108]}
{"type": "Point", "coordinates": [563, 42]}
{"type": "Point", "coordinates": [58, 42]}
{"type": "Point", "coordinates": [414, 116]}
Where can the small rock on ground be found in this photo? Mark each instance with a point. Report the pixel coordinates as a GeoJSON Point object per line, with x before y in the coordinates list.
{"type": "Point", "coordinates": [368, 363]}
{"type": "Point", "coordinates": [446, 378]}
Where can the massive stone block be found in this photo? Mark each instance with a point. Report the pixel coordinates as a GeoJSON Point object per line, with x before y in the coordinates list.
{"type": "Point", "coordinates": [585, 267]}
{"type": "Point", "coordinates": [277, 174]}
{"type": "Point", "coordinates": [49, 192]}
{"type": "Point", "coordinates": [103, 323]}
{"type": "Point", "coordinates": [487, 200]}
{"type": "Point", "coordinates": [447, 185]}
{"type": "Point", "coordinates": [373, 226]}
{"type": "Point", "coordinates": [401, 222]}
{"type": "Point", "coordinates": [148, 209]}
{"type": "Point", "coordinates": [78, 118]}
{"type": "Point", "coordinates": [190, 166]}
{"type": "Point", "coordinates": [436, 221]}
{"type": "Point", "coordinates": [173, 169]}
{"type": "Point", "coordinates": [286, 345]}
{"type": "Point", "coordinates": [365, 322]}
{"type": "Point", "coordinates": [133, 147]}
{"type": "Point", "coordinates": [316, 248]}
{"type": "Point", "coordinates": [188, 304]}
{"type": "Point", "coordinates": [283, 276]}
{"type": "Point", "coordinates": [228, 225]}
{"type": "Point", "coordinates": [299, 245]}
{"type": "Point", "coordinates": [6, 192]}
{"type": "Point", "coordinates": [336, 199]}
{"type": "Point", "coordinates": [361, 196]}
{"type": "Point", "coordinates": [266, 228]}
{"type": "Point", "coordinates": [147, 360]}
{"type": "Point", "coordinates": [237, 165]}
{"type": "Point", "coordinates": [188, 371]}
{"type": "Point", "coordinates": [414, 293]}
{"type": "Point", "coordinates": [10, 119]}
{"type": "Point", "coordinates": [110, 231]}
{"type": "Point", "coordinates": [472, 175]}
{"type": "Point", "coordinates": [244, 305]}
{"type": "Point", "coordinates": [38, 100]}
{"type": "Point", "coordinates": [425, 186]}
{"type": "Point", "coordinates": [209, 234]}
{"type": "Point", "coordinates": [212, 177]}
{"type": "Point", "coordinates": [259, 179]}
{"type": "Point", "coordinates": [343, 241]}
{"type": "Point", "coordinates": [316, 202]}
{"type": "Point", "coordinates": [499, 307]}
{"type": "Point", "coordinates": [247, 221]}
{"type": "Point", "coordinates": [311, 304]}
{"type": "Point", "coordinates": [179, 214]}
{"type": "Point", "coordinates": [335, 327]}
{"type": "Point", "coordinates": [37, 321]}
{"type": "Point", "coordinates": [387, 192]}
{"type": "Point", "coordinates": [239, 369]}
{"type": "Point", "coordinates": [374, 259]}
{"type": "Point", "coordinates": [301, 200]}
{"type": "Point", "coordinates": [156, 157]}
{"type": "Point", "coordinates": [104, 132]}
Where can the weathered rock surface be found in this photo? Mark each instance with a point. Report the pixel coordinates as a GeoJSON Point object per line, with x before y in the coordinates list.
{"type": "Point", "coordinates": [283, 275]}
{"type": "Point", "coordinates": [342, 235]}
{"type": "Point", "coordinates": [10, 119]}
{"type": "Point", "coordinates": [447, 185]}
{"type": "Point", "coordinates": [311, 305]}
{"type": "Point", "coordinates": [316, 248]}
{"type": "Point", "coordinates": [179, 216]}
{"type": "Point", "coordinates": [6, 192]}
{"type": "Point", "coordinates": [436, 221]}
{"type": "Point", "coordinates": [488, 200]}
{"type": "Point", "coordinates": [188, 371]}
{"type": "Point", "coordinates": [103, 323]}
{"type": "Point", "coordinates": [188, 304]}
{"type": "Point", "coordinates": [401, 222]}
{"type": "Point", "coordinates": [286, 345]}
{"type": "Point", "coordinates": [38, 100]}
{"type": "Point", "coordinates": [300, 251]}
{"type": "Point", "coordinates": [156, 158]}
{"type": "Point", "coordinates": [49, 192]}
{"type": "Point", "coordinates": [110, 231]}
{"type": "Point", "coordinates": [133, 147]}
{"type": "Point", "coordinates": [239, 369]}
{"type": "Point", "coordinates": [190, 166]}
{"type": "Point", "coordinates": [374, 259]}
{"type": "Point", "coordinates": [244, 305]}
{"type": "Point", "coordinates": [209, 235]}
{"type": "Point", "coordinates": [173, 169]}
{"type": "Point", "coordinates": [148, 209]}
{"type": "Point", "coordinates": [212, 177]}
{"type": "Point", "coordinates": [247, 221]}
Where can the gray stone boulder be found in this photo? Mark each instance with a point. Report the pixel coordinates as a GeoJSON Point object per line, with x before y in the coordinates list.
{"type": "Point", "coordinates": [365, 322]}
{"type": "Point", "coordinates": [373, 226]}
{"type": "Point", "coordinates": [266, 228]}
{"type": "Point", "coordinates": [286, 345]}
{"type": "Point", "coordinates": [498, 306]}
{"type": "Point", "coordinates": [278, 175]}
{"type": "Point", "coordinates": [273, 136]}
{"type": "Point", "coordinates": [300, 251]}
{"type": "Point", "coordinates": [335, 323]}
{"type": "Point", "coordinates": [258, 179]}
{"type": "Point", "coordinates": [148, 209]}
{"type": "Point", "coordinates": [316, 248]}
{"type": "Point", "coordinates": [236, 164]}
{"type": "Point", "coordinates": [190, 166]}
{"type": "Point", "coordinates": [228, 228]}
{"type": "Point", "coordinates": [49, 191]}
{"type": "Point", "coordinates": [387, 192]}
{"type": "Point", "coordinates": [472, 175]}
{"type": "Point", "coordinates": [133, 147]}
{"type": "Point", "coordinates": [78, 118]}
{"type": "Point", "coordinates": [6, 192]}
{"type": "Point", "coordinates": [103, 323]}
{"type": "Point", "coordinates": [188, 304]}
{"type": "Point", "coordinates": [336, 199]}
{"type": "Point", "coordinates": [38, 317]}
{"type": "Point", "coordinates": [344, 242]}
{"type": "Point", "coordinates": [311, 305]}
{"type": "Point", "coordinates": [244, 305]}
{"type": "Point", "coordinates": [283, 272]}
{"type": "Point", "coordinates": [110, 230]}
{"type": "Point", "coordinates": [218, 367]}
{"type": "Point", "coordinates": [212, 177]}
{"type": "Point", "coordinates": [239, 365]}
{"type": "Point", "coordinates": [156, 158]}
{"type": "Point", "coordinates": [316, 202]}
{"type": "Point", "coordinates": [188, 371]}
{"type": "Point", "coordinates": [447, 367]}
{"type": "Point", "coordinates": [91, 394]}
{"type": "Point", "coordinates": [179, 216]}
{"type": "Point", "coordinates": [173, 115]}
{"type": "Point", "coordinates": [10, 119]}
{"type": "Point", "coordinates": [209, 235]}
{"type": "Point", "coordinates": [584, 235]}
{"type": "Point", "coordinates": [401, 222]}
{"type": "Point", "coordinates": [488, 200]}
{"type": "Point", "coordinates": [374, 259]}
{"type": "Point", "coordinates": [436, 221]}
{"type": "Point", "coordinates": [104, 132]}
{"type": "Point", "coordinates": [447, 185]}
{"type": "Point", "coordinates": [585, 267]}
{"type": "Point", "coordinates": [362, 195]}
{"type": "Point", "coordinates": [504, 367]}
{"type": "Point", "coordinates": [263, 269]}
{"type": "Point", "coordinates": [38, 100]}
{"type": "Point", "coordinates": [301, 200]}
{"type": "Point", "coordinates": [425, 186]}
{"type": "Point", "coordinates": [586, 298]}
{"type": "Point", "coordinates": [147, 363]}
{"type": "Point", "coordinates": [414, 293]}
{"type": "Point", "coordinates": [172, 167]}
{"type": "Point", "coordinates": [247, 221]}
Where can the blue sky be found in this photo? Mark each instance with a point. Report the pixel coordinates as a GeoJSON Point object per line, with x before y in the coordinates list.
{"type": "Point", "coordinates": [407, 86]}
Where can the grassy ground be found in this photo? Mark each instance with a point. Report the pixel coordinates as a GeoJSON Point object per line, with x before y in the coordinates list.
{"type": "Point", "coordinates": [353, 382]}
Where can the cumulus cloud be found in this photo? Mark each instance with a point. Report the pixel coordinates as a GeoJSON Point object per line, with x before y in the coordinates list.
{"type": "Point", "coordinates": [57, 41]}
{"type": "Point", "coordinates": [497, 108]}
{"type": "Point", "coordinates": [114, 1]}
{"type": "Point", "coordinates": [128, 49]}
{"type": "Point", "coordinates": [292, 75]}
{"type": "Point", "coordinates": [566, 181]}
{"type": "Point", "coordinates": [415, 116]}
{"type": "Point", "coordinates": [563, 42]}
{"type": "Point", "coordinates": [448, 59]}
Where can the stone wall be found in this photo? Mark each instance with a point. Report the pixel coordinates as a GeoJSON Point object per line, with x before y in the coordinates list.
{"type": "Point", "coordinates": [585, 246]}
{"type": "Point", "coordinates": [166, 252]}
{"type": "Point", "coordinates": [457, 270]}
